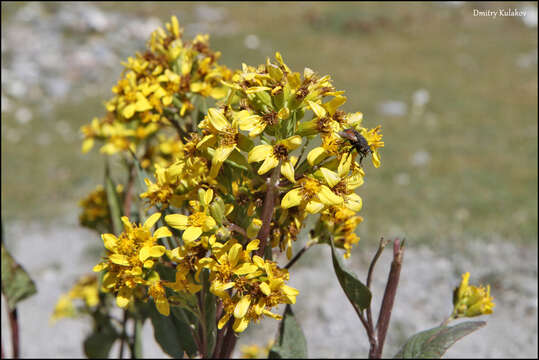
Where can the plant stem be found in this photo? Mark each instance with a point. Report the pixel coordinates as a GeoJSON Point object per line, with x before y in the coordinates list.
{"type": "Point", "coordinates": [298, 255]}
{"type": "Point", "coordinates": [267, 210]}
{"type": "Point", "coordinates": [381, 247]}
{"type": "Point", "coordinates": [389, 298]}
{"type": "Point", "coordinates": [130, 183]}
{"type": "Point", "coordinates": [229, 341]}
{"type": "Point", "coordinates": [14, 325]}
{"type": "Point", "coordinates": [123, 336]}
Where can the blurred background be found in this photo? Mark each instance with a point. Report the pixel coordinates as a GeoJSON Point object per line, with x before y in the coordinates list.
{"type": "Point", "coordinates": [456, 95]}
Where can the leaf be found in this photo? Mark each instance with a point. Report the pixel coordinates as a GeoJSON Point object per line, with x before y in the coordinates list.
{"type": "Point", "coordinates": [16, 283]}
{"type": "Point", "coordinates": [172, 333]}
{"type": "Point", "coordinates": [291, 343]}
{"type": "Point", "coordinates": [210, 322]}
{"type": "Point", "coordinates": [98, 344]}
{"type": "Point", "coordinates": [357, 293]}
{"type": "Point", "coordinates": [434, 343]}
{"type": "Point", "coordinates": [113, 201]}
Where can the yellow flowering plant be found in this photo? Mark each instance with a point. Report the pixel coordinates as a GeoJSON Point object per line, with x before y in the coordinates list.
{"type": "Point", "coordinates": [225, 171]}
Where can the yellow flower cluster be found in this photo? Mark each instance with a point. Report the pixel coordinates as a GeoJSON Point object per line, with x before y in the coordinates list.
{"type": "Point", "coordinates": [85, 289]}
{"type": "Point", "coordinates": [95, 209]}
{"type": "Point", "coordinates": [157, 88]}
{"type": "Point", "coordinates": [236, 180]}
{"type": "Point", "coordinates": [130, 260]}
{"type": "Point", "coordinates": [256, 352]}
{"type": "Point", "coordinates": [471, 301]}
{"type": "Point", "coordinates": [248, 286]}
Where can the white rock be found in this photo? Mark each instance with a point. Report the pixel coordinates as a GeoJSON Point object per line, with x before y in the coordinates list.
{"type": "Point", "coordinates": [23, 115]}
{"type": "Point", "coordinates": [252, 42]}
{"type": "Point", "coordinates": [392, 108]}
{"type": "Point", "coordinates": [420, 158]}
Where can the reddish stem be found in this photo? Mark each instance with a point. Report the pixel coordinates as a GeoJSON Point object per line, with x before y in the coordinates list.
{"type": "Point", "coordinates": [14, 324]}
{"type": "Point", "coordinates": [389, 298]}
{"type": "Point", "coordinates": [267, 210]}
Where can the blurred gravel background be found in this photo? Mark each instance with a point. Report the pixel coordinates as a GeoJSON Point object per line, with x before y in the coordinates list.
{"type": "Point", "coordinates": [457, 98]}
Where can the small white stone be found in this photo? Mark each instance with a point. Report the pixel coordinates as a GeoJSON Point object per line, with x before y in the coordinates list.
{"type": "Point", "coordinates": [392, 108]}
{"type": "Point", "coordinates": [402, 179]}
{"type": "Point", "coordinates": [420, 158]}
{"type": "Point", "coordinates": [23, 115]}
{"type": "Point", "coordinates": [252, 42]}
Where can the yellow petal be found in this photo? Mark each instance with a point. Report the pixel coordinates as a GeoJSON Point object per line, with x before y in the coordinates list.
{"type": "Point", "coordinates": [317, 109]}
{"type": "Point", "coordinates": [376, 159]}
{"type": "Point", "coordinates": [292, 142]}
{"type": "Point", "coordinates": [144, 253]}
{"type": "Point", "coordinates": [119, 259]}
{"type": "Point", "coordinates": [208, 196]}
{"type": "Point", "coordinates": [150, 222]}
{"type": "Point", "coordinates": [162, 305]}
{"type": "Point", "coordinates": [177, 221]}
{"type": "Point", "coordinates": [331, 177]}
{"type": "Point", "coordinates": [87, 145]}
{"type": "Point", "coordinates": [354, 202]}
{"type": "Point", "coordinates": [344, 165]}
{"type": "Point", "coordinates": [264, 287]}
{"type": "Point", "coordinates": [242, 307]}
{"type": "Point", "coordinates": [217, 119]}
{"type": "Point", "coordinates": [287, 169]}
{"type": "Point", "coordinates": [292, 198]}
{"type": "Point", "coordinates": [240, 325]}
{"type": "Point", "coordinates": [259, 153]}
{"type": "Point", "coordinates": [157, 251]}
{"type": "Point", "coordinates": [223, 321]}
{"type": "Point", "coordinates": [327, 196]}
{"type": "Point", "coordinates": [269, 163]}
{"type": "Point", "coordinates": [163, 231]}
{"type": "Point", "coordinates": [142, 103]}
{"type": "Point", "coordinates": [314, 207]}
{"type": "Point", "coordinates": [234, 254]}
{"type": "Point", "coordinates": [123, 298]}
{"type": "Point", "coordinates": [109, 240]}
{"type": "Point", "coordinates": [253, 245]}
{"type": "Point", "coordinates": [219, 157]}
{"type": "Point", "coordinates": [316, 155]}
{"type": "Point", "coordinates": [191, 233]}
{"type": "Point", "coordinates": [128, 111]}
{"type": "Point", "coordinates": [245, 269]}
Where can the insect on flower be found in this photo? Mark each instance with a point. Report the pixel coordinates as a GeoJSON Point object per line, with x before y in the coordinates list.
{"type": "Point", "coordinates": [358, 142]}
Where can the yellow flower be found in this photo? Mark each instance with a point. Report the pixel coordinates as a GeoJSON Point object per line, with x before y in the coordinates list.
{"type": "Point", "coordinates": [471, 301]}
{"type": "Point", "coordinates": [311, 194]}
{"type": "Point", "coordinates": [197, 223]}
{"type": "Point", "coordinates": [129, 253]}
{"type": "Point", "coordinates": [272, 155]}
{"type": "Point", "coordinates": [225, 132]}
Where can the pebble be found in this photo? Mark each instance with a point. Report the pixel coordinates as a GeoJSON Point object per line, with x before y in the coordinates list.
{"type": "Point", "coordinates": [23, 115]}
{"type": "Point", "coordinates": [420, 158]}
{"type": "Point", "coordinates": [252, 42]}
{"type": "Point", "coordinates": [392, 108]}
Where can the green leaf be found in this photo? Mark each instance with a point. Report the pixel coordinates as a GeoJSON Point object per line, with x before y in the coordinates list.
{"type": "Point", "coordinates": [16, 283]}
{"type": "Point", "coordinates": [113, 201]}
{"type": "Point", "coordinates": [291, 343]}
{"type": "Point", "coordinates": [184, 300]}
{"type": "Point", "coordinates": [172, 333]}
{"type": "Point", "coordinates": [99, 343]}
{"type": "Point", "coordinates": [434, 343]}
{"type": "Point", "coordinates": [210, 323]}
{"type": "Point", "coordinates": [357, 293]}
